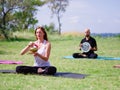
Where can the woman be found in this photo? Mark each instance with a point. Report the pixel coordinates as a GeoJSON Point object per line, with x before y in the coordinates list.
{"type": "Point", "coordinates": [41, 56]}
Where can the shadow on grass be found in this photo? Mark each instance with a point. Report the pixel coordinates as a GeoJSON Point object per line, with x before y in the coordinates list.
{"type": "Point", "coordinates": [3, 52]}
{"type": "Point", "coordinates": [18, 39]}
{"type": "Point", "coordinates": [6, 53]}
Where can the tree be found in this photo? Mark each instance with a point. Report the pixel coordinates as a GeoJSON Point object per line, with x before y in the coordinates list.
{"type": "Point", "coordinates": [17, 13]}
{"type": "Point", "coordinates": [58, 7]}
{"type": "Point", "coordinates": [6, 6]}
{"type": "Point", "coordinates": [50, 28]}
{"type": "Point", "coordinates": [25, 17]}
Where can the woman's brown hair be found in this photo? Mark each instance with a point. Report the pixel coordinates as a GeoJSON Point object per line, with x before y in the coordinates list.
{"type": "Point", "coordinates": [43, 30]}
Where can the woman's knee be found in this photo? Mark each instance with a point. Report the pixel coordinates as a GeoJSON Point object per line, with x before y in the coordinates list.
{"type": "Point", "coordinates": [50, 70]}
{"type": "Point", "coordinates": [21, 69]}
{"type": "Point", "coordinates": [18, 69]}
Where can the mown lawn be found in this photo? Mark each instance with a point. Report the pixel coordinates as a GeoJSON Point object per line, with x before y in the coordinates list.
{"type": "Point", "coordinates": [102, 75]}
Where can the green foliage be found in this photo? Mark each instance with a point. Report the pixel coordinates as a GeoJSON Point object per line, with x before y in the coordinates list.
{"type": "Point", "coordinates": [101, 74]}
{"type": "Point", "coordinates": [118, 36]}
{"type": "Point", "coordinates": [51, 28]}
{"type": "Point", "coordinates": [17, 15]}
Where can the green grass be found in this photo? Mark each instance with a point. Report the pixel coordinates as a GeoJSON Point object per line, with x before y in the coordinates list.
{"type": "Point", "coordinates": [102, 75]}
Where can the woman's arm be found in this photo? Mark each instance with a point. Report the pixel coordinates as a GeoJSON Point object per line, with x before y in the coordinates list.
{"type": "Point", "coordinates": [27, 48]}
{"type": "Point", "coordinates": [47, 52]}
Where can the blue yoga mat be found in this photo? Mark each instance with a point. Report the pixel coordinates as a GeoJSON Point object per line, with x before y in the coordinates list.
{"type": "Point", "coordinates": [98, 58]}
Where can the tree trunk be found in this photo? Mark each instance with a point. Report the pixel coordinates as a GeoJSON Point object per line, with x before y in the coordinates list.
{"type": "Point", "coordinates": [59, 24]}
{"type": "Point", "coordinates": [4, 34]}
{"type": "Point", "coordinates": [3, 26]}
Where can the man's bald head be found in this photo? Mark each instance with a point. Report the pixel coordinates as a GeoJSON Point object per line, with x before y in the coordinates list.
{"type": "Point", "coordinates": [87, 32]}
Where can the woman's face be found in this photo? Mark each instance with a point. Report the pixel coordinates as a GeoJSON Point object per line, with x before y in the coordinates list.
{"type": "Point", "coordinates": [39, 33]}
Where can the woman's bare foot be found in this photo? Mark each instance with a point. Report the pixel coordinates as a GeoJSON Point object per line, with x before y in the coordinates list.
{"type": "Point", "coordinates": [116, 66]}
{"type": "Point", "coordinates": [40, 70]}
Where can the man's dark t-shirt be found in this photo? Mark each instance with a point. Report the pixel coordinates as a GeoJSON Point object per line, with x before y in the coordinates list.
{"type": "Point", "coordinates": [92, 43]}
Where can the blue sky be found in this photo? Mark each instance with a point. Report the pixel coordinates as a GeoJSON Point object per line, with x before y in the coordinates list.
{"type": "Point", "coordinates": [101, 16]}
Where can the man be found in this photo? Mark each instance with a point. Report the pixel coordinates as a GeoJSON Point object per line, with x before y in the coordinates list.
{"type": "Point", "coordinates": [88, 45]}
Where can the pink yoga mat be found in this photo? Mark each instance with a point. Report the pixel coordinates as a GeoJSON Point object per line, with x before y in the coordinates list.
{"type": "Point", "coordinates": [10, 62]}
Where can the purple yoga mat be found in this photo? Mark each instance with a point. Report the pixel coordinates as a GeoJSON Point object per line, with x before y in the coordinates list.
{"type": "Point", "coordinates": [10, 62]}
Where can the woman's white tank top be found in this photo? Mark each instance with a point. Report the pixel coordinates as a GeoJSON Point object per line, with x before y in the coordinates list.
{"type": "Point", "coordinates": [38, 61]}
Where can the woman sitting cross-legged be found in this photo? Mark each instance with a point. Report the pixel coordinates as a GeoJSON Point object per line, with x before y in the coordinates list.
{"type": "Point", "coordinates": [40, 49]}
